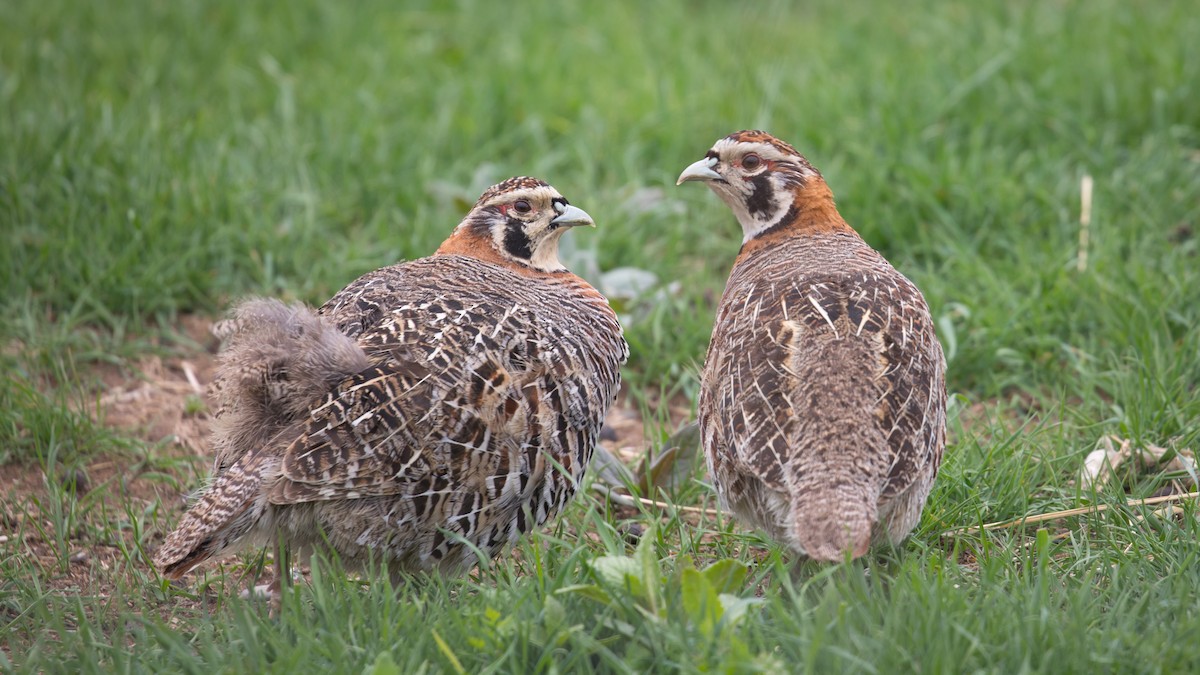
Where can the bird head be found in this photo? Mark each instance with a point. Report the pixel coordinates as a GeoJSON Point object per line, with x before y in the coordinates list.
{"type": "Point", "coordinates": [763, 180]}
{"type": "Point", "coordinates": [517, 222]}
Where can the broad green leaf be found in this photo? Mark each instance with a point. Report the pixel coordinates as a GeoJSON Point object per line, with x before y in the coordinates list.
{"type": "Point", "coordinates": [614, 570]}
{"type": "Point", "coordinates": [651, 575]}
{"type": "Point", "coordinates": [553, 613]}
{"type": "Point", "coordinates": [700, 602]}
{"type": "Point", "coordinates": [734, 607]}
{"type": "Point", "coordinates": [383, 665]}
{"type": "Point", "coordinates": [727, 575]}
{"type": "Point", "coordinates": [590, 591]}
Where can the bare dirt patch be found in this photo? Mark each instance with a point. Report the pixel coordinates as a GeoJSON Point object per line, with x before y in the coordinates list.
{"type": "Point", "coordinates": [83, 529]}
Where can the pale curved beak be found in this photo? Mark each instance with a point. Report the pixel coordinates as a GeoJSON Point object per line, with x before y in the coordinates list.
{"type": "Point", "coordinates": [702, 170]}
{"type": "Point", "coordinates": [572, 216]}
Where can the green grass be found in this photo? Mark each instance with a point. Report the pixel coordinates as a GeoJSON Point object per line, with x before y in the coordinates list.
{"type": "Point", "coordinates": [159, 159]}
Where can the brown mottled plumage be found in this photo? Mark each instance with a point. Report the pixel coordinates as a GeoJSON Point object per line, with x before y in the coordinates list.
{"type": "Point", "coordinates": [431, 410]}
{"type": "Point", "coordinates": [823, 400]}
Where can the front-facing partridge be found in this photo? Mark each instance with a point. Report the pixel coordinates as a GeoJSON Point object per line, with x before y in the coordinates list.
{"type": "Point", "coordinates": [823, 399]}
{"type": "Point", "coordinates": [431, 412]}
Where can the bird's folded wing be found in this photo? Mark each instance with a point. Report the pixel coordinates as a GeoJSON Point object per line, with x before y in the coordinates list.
{"type": "Point", "coordinates": [370, 437]}
{"type": "Point", "coordinates": [795, 366]}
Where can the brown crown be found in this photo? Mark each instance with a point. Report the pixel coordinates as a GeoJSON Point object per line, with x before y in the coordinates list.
{"type": "Point", "coordinates": [755, 136]}
{"type": "Point", "coordinates": [514, 183]}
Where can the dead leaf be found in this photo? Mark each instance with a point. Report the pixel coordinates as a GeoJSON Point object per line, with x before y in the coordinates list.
{"type": "Point", "coordinates": [610, 469]}
{"type": "Point", "coordinates": [1112, 452]}
{"type": "Point", "coordinates": [672, 466]}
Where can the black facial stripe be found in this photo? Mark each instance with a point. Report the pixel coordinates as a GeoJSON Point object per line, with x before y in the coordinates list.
{"type": "Point", "coordinates": [516, 242]}
{"type": "Point", "coordinates": [788, 217]}
{"type": "Point", "coordinates": [761, 196]}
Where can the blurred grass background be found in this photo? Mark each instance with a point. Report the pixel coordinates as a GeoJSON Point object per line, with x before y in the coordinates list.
{"type": "Point", "coordinates": [159, 159]}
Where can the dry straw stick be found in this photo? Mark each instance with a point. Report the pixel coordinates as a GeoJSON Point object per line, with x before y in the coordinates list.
{"type": "Point", "coordinates": [634, 502]}
{"type": "Point", "coordinates": [1059, 515]}
{"type": "Point", "coordinates": [1085, 221]}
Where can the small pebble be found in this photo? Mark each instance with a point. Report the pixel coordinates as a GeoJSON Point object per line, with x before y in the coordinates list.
{"type": "Point", "coordinates": [258, 592]}
{"type": "Point", "coordinates": [82, 482]}
{"type": "Point", "coordinates": [632, 533]}
{"type": "Point", "coordinates": [79, 557]}
{"type": "Point", "coordinates": [77, 480]}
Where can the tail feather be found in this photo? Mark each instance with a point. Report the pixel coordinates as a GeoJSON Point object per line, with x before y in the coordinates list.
{"type": "Point", "coordinates": [283, 357]}
{"type": "Point", "coordinates": [222, 518]}
{"type": "Point", "coordinates": [832, 519]}
{"type": "Point", "coordinates": [277, 362]}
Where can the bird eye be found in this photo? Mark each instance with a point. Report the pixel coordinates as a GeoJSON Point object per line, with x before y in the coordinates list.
{"type": "Point", "coordinates": [751, 162]}
{"type": "Point", "coordinates": [522, 206]}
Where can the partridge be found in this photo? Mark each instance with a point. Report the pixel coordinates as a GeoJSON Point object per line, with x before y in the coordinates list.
{"type": "Point", "coordinates": [428, 415]}
{"type": "Point", "coordinates": [823, 400]}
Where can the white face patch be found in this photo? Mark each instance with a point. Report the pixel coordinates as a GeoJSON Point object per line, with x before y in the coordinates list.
{"type": "Point", "coordinates": [541, 237]}
{"type": "Point", "coordinates": [545, 254]}
{"type": "Point", "coordinates": [761, 197]}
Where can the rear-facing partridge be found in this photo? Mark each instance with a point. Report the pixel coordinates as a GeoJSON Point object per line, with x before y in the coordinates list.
{"type": "Point", "coordinates": [823, 398]}
{"type": "Point", "coordinates": [429, 413]}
